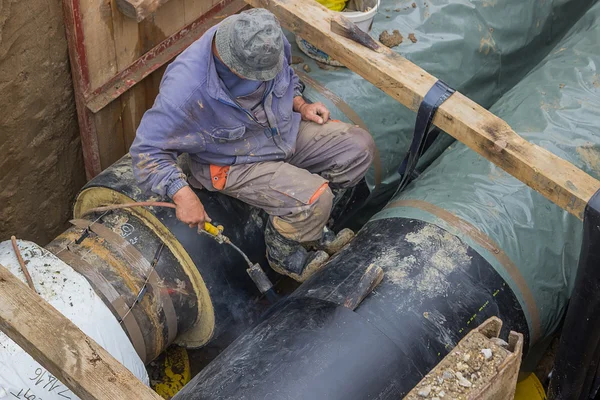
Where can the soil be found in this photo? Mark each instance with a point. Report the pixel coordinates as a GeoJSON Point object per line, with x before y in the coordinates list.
{"type": "Point", "coordinates": [41, 165]}
{"type": "Point", "coordinates": [412, 38]}
{"type": "Point", "coordinates": [391, 40]}
{"type": "Point", "coordinates": [297, 60]}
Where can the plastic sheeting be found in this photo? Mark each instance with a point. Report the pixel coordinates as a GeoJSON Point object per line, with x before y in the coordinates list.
{"type": "Point", "coordinates": [21, 377]}
{"type": "Point", "coordinates": [479, 47]}
{"type": "Point", "coordinates": [557, 106]}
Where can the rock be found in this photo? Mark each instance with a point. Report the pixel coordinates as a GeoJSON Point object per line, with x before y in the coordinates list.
{"type": "Point", "coordinates": [412, 37]}
{"type": "Point", "coordinates": [442, 394]}
{"type": "Point", "coordinates": [462, 381]}
{"type": "Point", "coordinates": [424, 392]}
{"type": "Point", "coordinates": [435, 398]}
{"type": "Point", "coordinates": [466, 357]}
{"type": "Point", "coordinates": [487, 353]}
{"type": "Point", "coordinates": [461, 366]}
{"type": "Point", "coordinates": [448, 374]}
{"type": "Point", "coordinates": [306, 68]}
{"type": "Point", "coordinates": [499, 342]}
{"type": "Point", "coordinates": [391, 39]}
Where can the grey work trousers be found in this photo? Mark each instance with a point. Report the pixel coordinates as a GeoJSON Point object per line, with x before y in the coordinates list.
{"type": "Point", "coordinates": [296, 193]}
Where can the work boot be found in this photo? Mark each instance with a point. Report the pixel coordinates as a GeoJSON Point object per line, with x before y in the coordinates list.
{"type": "Point", "coordinates": [290, 258]}
{"type": "Point", "coordinates": [330, 242]}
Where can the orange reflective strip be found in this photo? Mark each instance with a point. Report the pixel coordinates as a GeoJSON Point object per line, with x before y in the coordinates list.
{"type": "Point", "coordinates": [218, 175]}
{"type": "Point", "coordinates": [318, 193]}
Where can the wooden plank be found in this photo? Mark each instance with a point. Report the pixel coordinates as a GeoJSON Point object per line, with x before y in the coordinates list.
{"type": "Point", "coordinates": [138, 10]}
{"type": "Point", "coordinates": [98, 28]}
{"type": "Point", "coordinates": [159, 55]}
{"type": "Point", "coordinates": [127, 41]}
{"type": "Point", "coordinates": [558, 180]}
{"type": "Point", "coordinates": [60, 347]}
{"type": "Point", "coordinates": [96, 19]}
{"type": "Point", "coordinates": [167, 21]}
{"type": "Point", "coordinates": [81, 84]}
{"type": "Point", "coordinates": [125, 38]}
{"type": "Point", "coordinates": [111, 139]}
{"type": "Point", "coordinates": [193, 9]}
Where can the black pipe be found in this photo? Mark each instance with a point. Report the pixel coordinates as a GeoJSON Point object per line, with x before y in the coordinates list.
{"type": "Point", "coordinates": [575, 373]}
{"type": "Point", "coordinates": [435, 289]}
{"type": "Point", "coordinates": [129, 281]}
{"type": "Point", "coordinates": [224, 299]}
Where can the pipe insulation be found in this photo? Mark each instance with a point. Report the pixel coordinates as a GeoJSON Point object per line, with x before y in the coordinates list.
{"type": "Point", "coordinates": [200, 289]}
{"type": "Point", "coordinates": [71, 294]}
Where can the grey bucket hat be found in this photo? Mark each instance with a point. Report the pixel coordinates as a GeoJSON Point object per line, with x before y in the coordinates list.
{"type": "Point", "coordinates": [251, 44]}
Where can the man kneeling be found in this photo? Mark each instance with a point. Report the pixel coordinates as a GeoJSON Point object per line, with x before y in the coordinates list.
{"type": "Point", "coordinates": [234, 104]}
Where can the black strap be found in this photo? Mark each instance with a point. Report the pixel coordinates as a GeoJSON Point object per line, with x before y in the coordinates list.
{"type": "Point", "coordinates": [423, 136]}
{"type": "Point", "coordinates": [576, 366]}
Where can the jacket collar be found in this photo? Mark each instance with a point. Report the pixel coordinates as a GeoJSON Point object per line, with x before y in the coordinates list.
{"type": "Point", "coordinates": [213, 82]}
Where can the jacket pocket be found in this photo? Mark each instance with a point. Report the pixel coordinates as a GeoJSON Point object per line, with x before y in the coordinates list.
{"type": "Point", "coordinates": [297, 183]}
{"type": "Point", "coordinates": [283, 101]}
{"type": "Point", "coordinates": [223, 135]}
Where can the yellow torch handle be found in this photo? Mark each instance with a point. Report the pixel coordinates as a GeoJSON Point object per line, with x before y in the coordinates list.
{"type": "Point", "coordinates": [213, 230]}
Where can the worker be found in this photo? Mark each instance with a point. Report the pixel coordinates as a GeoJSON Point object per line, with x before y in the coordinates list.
{"type": "Point", "coordinates": [234, 104]}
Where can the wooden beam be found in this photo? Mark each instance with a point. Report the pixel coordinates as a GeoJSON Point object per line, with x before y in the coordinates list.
{"type": "Point", "coordinates": [139, 9]}
{"type": "Point", "coordinates": [558, 180]}
{"type": "Point", "coordinates": [160, 55]}
{"type": "Point", "coordinates": [60, 347]}
{"type": "Point", "coordinates": [81, 84]}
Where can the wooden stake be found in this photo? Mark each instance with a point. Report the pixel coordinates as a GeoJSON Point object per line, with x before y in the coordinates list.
{"type": "Point", "coordinates": [369, 281]}
{"type": "Point", "coordinates": [71, 356]}
{"type": "Point", "coordinates": [558, 180]}
{"type": "Point", "coordinates": [22, 263]}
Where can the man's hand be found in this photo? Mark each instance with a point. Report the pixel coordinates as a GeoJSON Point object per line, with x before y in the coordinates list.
{"type": "Point", "coordinates": [190, 209]}
{"type": "Point", "coordinates": [315, 112]}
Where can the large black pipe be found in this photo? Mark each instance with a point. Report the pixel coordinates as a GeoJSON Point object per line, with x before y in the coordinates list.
{"type": "Point", "coordinates": [435, 289]}
{"type": "Point", "coordinates": [206, 282]}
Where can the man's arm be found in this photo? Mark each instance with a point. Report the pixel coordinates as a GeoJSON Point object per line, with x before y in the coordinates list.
{"type": "Point", "coordinates": [163, 134]}
{"type": "Point", "coordinates": [315, 112]}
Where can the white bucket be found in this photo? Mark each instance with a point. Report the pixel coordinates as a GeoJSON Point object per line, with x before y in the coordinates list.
{"type": "Point", "coordinates": [364, 20]}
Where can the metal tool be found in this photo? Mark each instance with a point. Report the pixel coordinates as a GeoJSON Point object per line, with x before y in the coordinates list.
{"type": "Point", "coordinates": [348, 29]}
{"type": "Point", "coordinates": [254, 270]}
